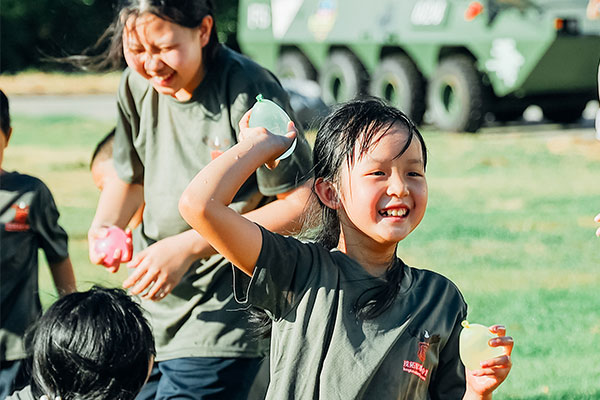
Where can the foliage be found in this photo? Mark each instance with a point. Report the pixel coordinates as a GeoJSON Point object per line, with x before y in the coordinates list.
{"type": "Point", "coordinates": [32, 30]}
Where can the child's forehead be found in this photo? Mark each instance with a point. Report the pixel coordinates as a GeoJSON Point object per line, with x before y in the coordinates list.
{"type": "Point", "coordinates": [393, 135]}
{"type": "Point", "coordinates": [147, 26]}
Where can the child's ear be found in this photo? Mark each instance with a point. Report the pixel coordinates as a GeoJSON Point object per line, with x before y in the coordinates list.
{"type": "Point", "coordinates": [327, 193]}
{"type": "Point", "coordinates": [206, 28]}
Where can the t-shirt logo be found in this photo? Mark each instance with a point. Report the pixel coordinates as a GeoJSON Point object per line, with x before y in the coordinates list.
{"type": "Point", "coordinates": [19, 222]}
{"type": "Point", "coordinates": [423, 346]}
{"type": "Point", "coordinates": [415, 368]}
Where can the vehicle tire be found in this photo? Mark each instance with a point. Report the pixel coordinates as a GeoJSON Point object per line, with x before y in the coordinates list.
{"type": "Point", "coordinates": [292, 64]}
{"type": "Point", "coordinates": [398, 81]}
{"type": "Point", "coordinates": [341, 78]}
{"type": "Point", "coordinates": [456, 95]}
{"type": "Point", "coordinates": [565, 111]}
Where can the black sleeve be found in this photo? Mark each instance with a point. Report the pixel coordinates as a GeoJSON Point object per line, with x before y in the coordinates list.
{"type": "Point", "coordinates": [44, 222]}
{"type": "Point", "coordinates": [283, 271]}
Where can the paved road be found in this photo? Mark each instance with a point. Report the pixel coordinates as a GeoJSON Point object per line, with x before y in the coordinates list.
{"type": "Point", "coordinates": [101, 107]}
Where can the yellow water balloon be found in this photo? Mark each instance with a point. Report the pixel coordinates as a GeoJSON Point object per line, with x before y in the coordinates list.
{"type": "Point", "coordinates": [474, 345]}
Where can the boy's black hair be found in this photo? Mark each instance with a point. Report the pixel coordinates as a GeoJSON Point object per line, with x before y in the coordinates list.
{"type": "Point", "coordinates": [4, 114]}
{"type": "Point", "coordinates": [352, 128]}
{"type": "Point", "coordinates": [104, 148]}
{"type": "Point", "coordinates": [187, 13]}
{"type": "Point", "coordinates": [91, 345]}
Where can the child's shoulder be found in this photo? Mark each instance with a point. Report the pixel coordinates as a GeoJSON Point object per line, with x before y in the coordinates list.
{"type": "Point", "coordinates": [22, 182]}
{"type": "Point", "coordinates": [433, 281]}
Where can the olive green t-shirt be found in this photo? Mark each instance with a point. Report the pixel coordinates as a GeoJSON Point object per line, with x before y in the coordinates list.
{"type": "Point", "coordinates": [321, 350]}
{"type": "Point", "coordinates": [163, 143]}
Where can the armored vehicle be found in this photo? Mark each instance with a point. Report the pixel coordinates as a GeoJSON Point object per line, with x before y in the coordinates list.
{"type": "Point", "coordinates": [460, 60]}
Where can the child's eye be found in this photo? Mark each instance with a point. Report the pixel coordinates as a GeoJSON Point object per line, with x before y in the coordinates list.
{"type": "Point", "coordinates": [415, 174]}
{"type": "Point", "coordinates": [377, 173]}
{"type": "Point", "coordinates": [135, 50]}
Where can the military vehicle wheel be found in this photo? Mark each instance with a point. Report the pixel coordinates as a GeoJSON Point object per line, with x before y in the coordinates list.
{"type": "Point", "coordinates": [341, 78]}
{"type": "Point", "coordinates": [398, 81]}
{"type": "Point", "coordinates": [456, 95]}
{"type": "Point", "coordinates": [564, 112]}
{"type": "Point", "coordinates": [294, 65]}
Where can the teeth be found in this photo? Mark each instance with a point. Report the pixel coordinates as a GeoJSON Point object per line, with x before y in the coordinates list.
{"type": "Point", "coordinates": [395, 212]}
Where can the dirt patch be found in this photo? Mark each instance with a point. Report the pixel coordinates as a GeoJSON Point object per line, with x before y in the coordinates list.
{"type": "Point", "coordinates": [586, 147]}
{"type": "Point", "coordinates": [34, 83]}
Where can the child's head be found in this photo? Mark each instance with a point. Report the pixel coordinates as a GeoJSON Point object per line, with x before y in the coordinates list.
{"type": "Point", "coordinates": [91, 345]}
{"type": "Point", "coordinates": [5, 126]}
{"type": "Point", "coordinates": [169, 42]}
{"type": "Point", "coordinates": [366, 153]}
{"type": "Point", "coordinates": [101, 163]}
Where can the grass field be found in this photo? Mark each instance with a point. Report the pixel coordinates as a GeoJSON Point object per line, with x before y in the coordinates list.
{"type": "Point", "coordinates": [510, 221]}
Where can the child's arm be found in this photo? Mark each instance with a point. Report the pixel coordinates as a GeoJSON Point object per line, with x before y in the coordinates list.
{"type": "Point", "coordinates": [204, 203]}
{"type": "Point", "coordinates": [63, 276]}
{"type": "Point", "coordinates": [163, 264]}
{"type": "Point", "coordinates": [597, 219]}
{"type": "Point", "coordinates": [118, 203]}
{"type": "Point", "coordinates": [481, 383]}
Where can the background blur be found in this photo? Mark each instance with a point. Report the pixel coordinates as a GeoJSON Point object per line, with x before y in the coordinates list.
{"type": "Point", "coordinates": [509, 220]}
{"type": "Point", "coordinates": [32, 28]}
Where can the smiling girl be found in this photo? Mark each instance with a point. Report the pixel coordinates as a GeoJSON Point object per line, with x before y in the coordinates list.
{"type": "Point", "coordinates": [350, 320]}
{"type": "Point", "coordinates": [179, 103]}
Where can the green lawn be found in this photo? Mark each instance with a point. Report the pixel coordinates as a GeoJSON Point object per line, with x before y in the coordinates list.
{"type": "Point", "coordinates": [510, 221]}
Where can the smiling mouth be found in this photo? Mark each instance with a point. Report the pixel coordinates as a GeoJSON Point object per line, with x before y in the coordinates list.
{"type": "Point", "coordinates": [395, 212]}
{"type": "Point", "coordinates": [162, 80]}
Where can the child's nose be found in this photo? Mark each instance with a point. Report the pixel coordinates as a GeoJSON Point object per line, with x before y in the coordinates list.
{"type": "Point", "coordinates": [153, 63]}
{"type": "Point", "coordinates": [397, 187]}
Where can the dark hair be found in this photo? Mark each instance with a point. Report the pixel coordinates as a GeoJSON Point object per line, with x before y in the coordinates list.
{"type": "Point", "coordinates": [187, 13]}
{"type": "Point", "coordinates": [4, 114]}
{"type": "Point", "coordinates": [104, 148]}
{"type": "Point", "coordinates": [352, 128]}
{"type": "Point", "coordinates": [91, 345]}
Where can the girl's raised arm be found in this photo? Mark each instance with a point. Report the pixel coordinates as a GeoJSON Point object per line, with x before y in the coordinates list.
{"type": "Point", "coordinates": [204, 203]}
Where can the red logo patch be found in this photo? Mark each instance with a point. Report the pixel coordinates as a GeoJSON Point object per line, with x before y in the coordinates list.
{"type": "Point", "coordinates": [19, 222]}
{"type": "Point", "coordinates": [413, 367]}
{"type": "Point", "coordinates": [422, 354]}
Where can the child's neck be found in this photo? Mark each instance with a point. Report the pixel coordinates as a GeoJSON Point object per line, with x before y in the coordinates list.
{"type": "Point", "coordinates": [374, 259]}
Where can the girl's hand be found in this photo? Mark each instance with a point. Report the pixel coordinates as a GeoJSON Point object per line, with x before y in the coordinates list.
{"type": "Point", "coordinates": [100, 232]}
{"type": "Point", "coordinates": [158, 268]}
{"type": "Point", "coordinates": [597, 219]}
{"type": "Point", "coordinates": [279, 143]}
{"type": "Point", "coordinates": [482, 382]}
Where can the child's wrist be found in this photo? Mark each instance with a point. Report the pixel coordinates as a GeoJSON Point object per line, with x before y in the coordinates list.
{"type": "Point", "coordinates": [471, 395]}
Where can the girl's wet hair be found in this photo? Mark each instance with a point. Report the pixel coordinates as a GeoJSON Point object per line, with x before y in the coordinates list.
{"type": "Point", "coordinates": [344, 136]}
{"type": "Point", "coordinates": [187, 13]}
{"type": "Point", "coordinates": [91, 345]}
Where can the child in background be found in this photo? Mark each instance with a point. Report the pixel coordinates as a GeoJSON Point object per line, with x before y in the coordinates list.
{"type": "Point", "coordinates": [179, 104]}
{"type": "Point", "coordinates": [28, 222]}
{"type": "Point", "coordinates": [350, 319]}
{"type": "Point", "coordinates": [90, 345]}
